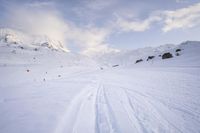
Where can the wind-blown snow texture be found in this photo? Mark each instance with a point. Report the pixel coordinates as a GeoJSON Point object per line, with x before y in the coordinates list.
{"type": "Point", "coordinates": [45, 91]}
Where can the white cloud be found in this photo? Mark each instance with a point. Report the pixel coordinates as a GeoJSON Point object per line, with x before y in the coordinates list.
{"type": "Point", "coordinates": [34, 20]}
{"type": "Point", "coordinates": [91, 39]}
{"type": "Point", "coordinates": [90, 36]}
{"type": "Point", "coordinates": [175, 19]}
{"type": "Point", "coordinates": [139, 26]}
{"type": "Point", "coordinates": [182, 18]}
{"type": "Point", "coordinates": [38, 22]}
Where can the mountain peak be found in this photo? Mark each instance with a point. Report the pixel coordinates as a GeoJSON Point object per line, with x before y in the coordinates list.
{"type": "Point", "coordinates": [13, 37]}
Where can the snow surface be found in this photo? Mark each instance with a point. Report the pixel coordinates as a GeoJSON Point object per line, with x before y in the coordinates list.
{"type": "Point", "coordinates": [48, 91]}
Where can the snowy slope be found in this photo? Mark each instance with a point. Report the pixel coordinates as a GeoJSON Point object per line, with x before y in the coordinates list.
{"type": "Point", "coordinates": [48, 91]}
{"type": "Point", "coordinates": [188, 56]}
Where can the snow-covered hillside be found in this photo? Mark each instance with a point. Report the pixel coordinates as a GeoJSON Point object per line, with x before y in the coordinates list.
{"type": "Point", "coordinates": [184, 54]}
{"type": "Point", "coordinates": [46, 90]}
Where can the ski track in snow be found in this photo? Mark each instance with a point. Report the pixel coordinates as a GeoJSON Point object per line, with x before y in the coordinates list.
{"type": "Point", "coordinates": [105, 119]}
{"type": "Point", "coordinates": [80, 115]}
{"type": "Point", "coordinates": [106, 108]}
{"type": "Point", "coordinates": [107, 104]}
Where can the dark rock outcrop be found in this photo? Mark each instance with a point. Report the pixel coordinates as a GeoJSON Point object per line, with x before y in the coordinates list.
{"type": "Point", "coordinates": [178, 50]}
{"type": "Point", "coordinates": [115, 65]}
{"type": "Point", "coordinates": [167, 55]}
{"type": "Point", "coordinates": [137, 61]}
{"type": "Point", "coordinates": [150, 57]}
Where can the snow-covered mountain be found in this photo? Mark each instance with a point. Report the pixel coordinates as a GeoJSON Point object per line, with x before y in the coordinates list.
{"type": "Point", "coordinates": [20, 39]}
{"type": "Point", "coordinates": [19, 49]}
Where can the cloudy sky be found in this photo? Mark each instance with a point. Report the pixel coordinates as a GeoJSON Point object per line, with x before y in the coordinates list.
{"type": "Point", "coordinates": [93, 25]}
